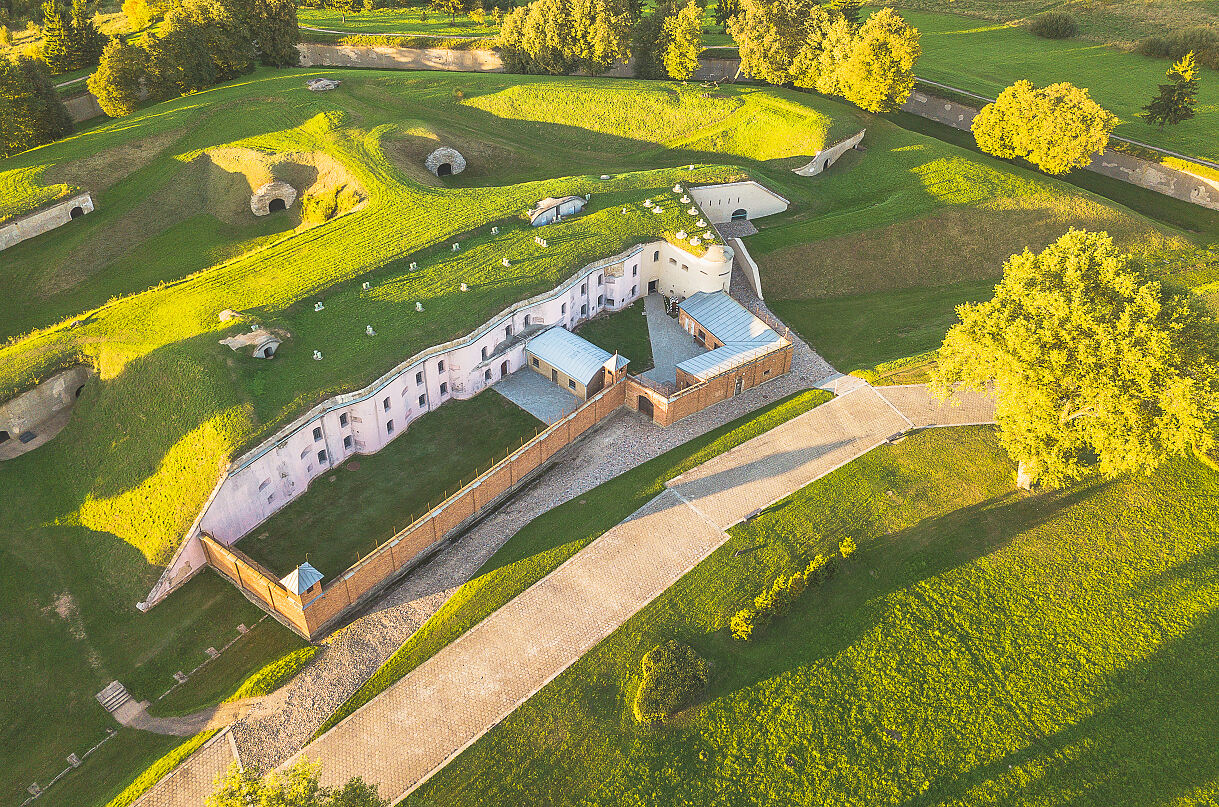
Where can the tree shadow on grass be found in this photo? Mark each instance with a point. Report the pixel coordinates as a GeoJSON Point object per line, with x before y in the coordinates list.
{"type": "Point", "coordinates": [898, 561]}
{"type": "Point", "coordinates": [1152, 743]}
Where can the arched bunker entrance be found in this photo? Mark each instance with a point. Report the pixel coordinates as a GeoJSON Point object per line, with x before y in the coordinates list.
{"type": "Point", "coordinates": [445, 162]}
{"type": "Point", "coordinates": [76, 212]}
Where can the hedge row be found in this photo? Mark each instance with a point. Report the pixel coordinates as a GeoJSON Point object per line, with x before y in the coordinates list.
{"type": "Point", "coordinates": [785, 590]}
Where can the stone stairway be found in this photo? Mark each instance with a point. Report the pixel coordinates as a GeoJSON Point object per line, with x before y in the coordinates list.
{"type": "Point", "coordinates": [114, 697]}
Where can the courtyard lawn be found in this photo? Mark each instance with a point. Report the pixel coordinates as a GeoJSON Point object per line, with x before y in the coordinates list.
{"type": "Point", "coordinates": [367, 499]}
{"type": "Point", "coordinates": [981, 647]}
{"type": "Point", "coordinates": [555, 536]}
{"type": "Point", "coordinates": [1123, 82]}
{"type": "Point", "coordinates": [626, 333]}
{"type": "Point", "coordinates": [394, 21]}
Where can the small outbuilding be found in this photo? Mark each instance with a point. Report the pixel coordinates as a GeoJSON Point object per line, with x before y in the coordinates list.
{"type": "Point", "coordinates": [445, 161]}
{"type": "Point", "coordinates": [303, 581]}
{"type": "Point", "coordinates": [573, 362]}
{"type": "Point", "coordinates": [550, 210]}
{"type": "Point", "coordinates": [272, 197]}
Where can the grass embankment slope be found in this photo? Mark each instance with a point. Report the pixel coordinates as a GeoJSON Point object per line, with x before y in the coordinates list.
{"type": "Point", "coordinates": [981, 647]}
{"type": "Point", "coordinates": [91, 517]}
{"type": "Point", "coordinates": [1121, 81]}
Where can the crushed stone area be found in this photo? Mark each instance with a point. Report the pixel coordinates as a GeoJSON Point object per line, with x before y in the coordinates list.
{"type": "Point", "coordinates": [282, 725]}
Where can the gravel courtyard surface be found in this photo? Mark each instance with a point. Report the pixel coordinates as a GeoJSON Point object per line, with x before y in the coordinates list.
{"type": "Point", "coordinates": [281, 725]}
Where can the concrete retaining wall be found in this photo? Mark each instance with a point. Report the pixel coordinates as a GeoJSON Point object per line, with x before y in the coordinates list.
{"type": "Point", "coordinates": [44, 219]}
{"type": "Point", "coordinates": [83, 107]}
{"type": "Point", "coordinates": [1116, 164]}
{"type": "Point", "coordinates": [315, 54]}
{"type": "Point", "coordinates": [828, 156]}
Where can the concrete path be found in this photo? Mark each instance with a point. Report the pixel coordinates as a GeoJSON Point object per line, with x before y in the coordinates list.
{"type": "Point", "coordinates": [192, 784]}
{"type": "Point", "coordinates": [545, 400]}
{"type": "Point", "coordinates": [671, 345]}
{"type": "Point", "coordinates": [423, 721]}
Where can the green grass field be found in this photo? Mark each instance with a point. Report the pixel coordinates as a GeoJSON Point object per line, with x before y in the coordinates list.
{"type": "Point", "coordinates": [1123, 82]}
{"type": "Point", "coordinates": [135, 288]}
{"type": "Point", "coordinates": [981, 647]}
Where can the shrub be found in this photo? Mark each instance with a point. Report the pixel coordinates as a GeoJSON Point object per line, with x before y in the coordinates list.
{"type": "Point", "coordinates": [1054, 25]}
{"type": "Point", "coordinates": [1156, 47]}
{"type": "Point", "coordinates": [6, 38]}
{"type": "Point", "coordinates": [672, 675]}
{"type": "Point", "coordinates": [741, 625]}
{"type": "Point", "coordinates": [846, 547]}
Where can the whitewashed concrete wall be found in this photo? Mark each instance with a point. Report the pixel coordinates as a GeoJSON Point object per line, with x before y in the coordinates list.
{"type": "Point", "coordinates": [43, 220]}
{"type": "Point", "coordinates": [265, 479]}
{"type": "Point", "coordinates": [828, 156]}
{"type": "Point", "coordinates": [26, 411]}
{"type": "Point", "coordinates": [719, 201]}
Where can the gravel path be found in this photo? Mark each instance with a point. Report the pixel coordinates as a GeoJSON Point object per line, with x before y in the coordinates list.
{"type": "Point", "coordinates": [281, 725]}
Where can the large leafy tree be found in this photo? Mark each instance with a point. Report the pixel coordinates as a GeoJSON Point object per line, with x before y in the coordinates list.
{"type": "Point", "coordinates": [226, 38]}
{"type": "Point", "coordinates": [771, 33]}
{"type": "Point", "coordinates": [879, 73]}
{"type": "Point", "coordinates": [1095, 366]}
{"type": "Point", "coordinates": [118, 78]}
{"type": "Point", "coordinates": [295, 787]}
{"type": "Point", "coordinates": [1178, 98]}
{"type": "Point", "coordinates": [726, 10]}
{"type": "Point", "coordinates": [683, 37]}
{"type": "Point", "coordinates": [1056, 128]}
{"type": "Point", "coordinates": [562, 36]}
{"type": "Point", "coordinates": [273, 28]}
{"type": "Point", "coordinates": [31, 112]}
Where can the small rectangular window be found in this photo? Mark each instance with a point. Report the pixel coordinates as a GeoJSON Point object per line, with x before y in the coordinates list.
{"type": "Point", "coordinates": [444, 388]}
{"type": "Point", "coordinates": [304, 453]}
{"type": "Point", "coordinates": [343, 419]}
{"type": "Point", "coordinates": [673, 261]}
{"type": "Point", "coordinates": [634, 290]}
{"type": "Point", "coordinates": [508, 330]}
{"type": "Point", "coordinates": [422, 401]}
{"type": "Point", "coordinates": [348, 442]}
{"type": "Point", "coordinates": [584, 310]}
{"type": "Point", "coordinates": [486, 375]}
{"type": "Point", "coordinates": [419, 377]}
{"type": "Point", "coordinates": [656, 255]}
{"type": "Point", "coordinates": [584, 288]}
{"type": "Point", "coordinates": [440, 366]}
{"type": "Point", "coordinates": [634, 271]}
{"type": "Point", "coordinates": [535, 362]}
{"type": "Point", "coordinates": [563, 308]}
{"type": "Point", "coordinates": [685, 268]}
{"type": "Point", "coordinates": [317, 433]}
{"type": "Point", "coordinates": [600, 280]}
{"type": "Point", "coordinates": [389, 427]}
{"type": "Point", "coordinates": [321, 455]}
{"type": "Point", "coordinates": [271, 498]}
{"type": "Point", "coordinates": [385, 405]}
{"type": "Point", "coordinates": [265, 484]}
{"type": "Point", "coordinates": [600, 299]}
{"type": "Point", "coordinates": [486, 350]}
{"type": "Point", "coordinates": [571, 383]}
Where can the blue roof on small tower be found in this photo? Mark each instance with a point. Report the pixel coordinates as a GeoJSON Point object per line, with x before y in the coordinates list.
{"type": "Point", "coordinates": [301, 579]}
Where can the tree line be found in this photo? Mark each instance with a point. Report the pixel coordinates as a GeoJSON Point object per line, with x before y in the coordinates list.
{"type": "Point", "coordinates": [799, 42]}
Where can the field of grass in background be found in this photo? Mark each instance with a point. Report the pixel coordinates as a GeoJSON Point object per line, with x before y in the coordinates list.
{"type": "Point", "coordinates": [982, 646]}
{"type": "Point", "coordinates": [625, 333]}
{"type": "Point", "coordinates": [393, 21]}
{"type": "Point", "coordinates": [1116, 21]}
{"type": "Point", "coordinates": [556, 535]}
{"type": "Point", "coordinates": [363, 502]}
{"type": "Point", "coordinates": [1123, 82]}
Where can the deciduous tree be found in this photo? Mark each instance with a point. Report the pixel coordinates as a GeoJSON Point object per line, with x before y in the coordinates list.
{"type": "Point", "coordinates": [726, 10]}
{"type": "Point", "coordinates": [295, 787]}
{"type": "Point", "coordinates": [1096, 367]}
{"type": "Point", "coordinates": [683, 35]}
{"type": "Point", "coordinates": [1177, 99]}
{"type": "Point", "coordinates": [226, 39]}
{"type": "Point", "coordinates": [1056, 128]}
{"type": "Point", "coordinates": [31, 112]}
{"type": "Point", "coordinates": [879, 73]}
{"type": "Point", "coordinates": [771, 33]}
{"type": "Point", "coordinates": [119, 77]}
{"type": "Point", "coordinates": [848, 9]}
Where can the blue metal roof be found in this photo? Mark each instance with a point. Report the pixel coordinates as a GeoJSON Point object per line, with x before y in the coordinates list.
{"type": "Point", "coordinates": [301, 579]}
{"type": "Point", "coordinates": [726, 319]}
{"type": "Point", "coordinates": [571, 355]}
{"type": "Point", "coordinates": [722, 359]}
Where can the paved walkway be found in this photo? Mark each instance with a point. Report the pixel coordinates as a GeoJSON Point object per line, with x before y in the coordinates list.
{"type": "Point", "coordinates": [424, 720]}
{"type": "Point", "coordinates": [671, 345]}
{"type": "Point", "coordinates": [545, 400]}
{"type": "Point", "coordinates": [192, 784]}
